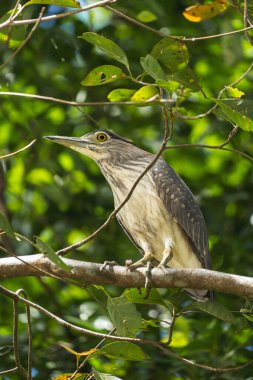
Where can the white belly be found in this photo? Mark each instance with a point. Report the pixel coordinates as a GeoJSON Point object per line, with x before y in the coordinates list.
{"type": "Point", "coordinates": [151, 226]}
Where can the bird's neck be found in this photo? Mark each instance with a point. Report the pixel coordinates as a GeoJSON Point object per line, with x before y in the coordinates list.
{"type": "Point", "coordinates": [122, 176]}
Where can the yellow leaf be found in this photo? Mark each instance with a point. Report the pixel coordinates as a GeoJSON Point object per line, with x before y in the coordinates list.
{"type": "Point", "coordinates": [233, 92]}
{"type": "Point", "coordinates": [67, 376]}
{"type": "Point", "coordinates": [79, 354]}
{"type": "Point", "coordinates": [197, 13]}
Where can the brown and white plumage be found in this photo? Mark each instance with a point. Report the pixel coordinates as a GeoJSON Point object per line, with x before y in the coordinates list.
{"type": "Point", "coordinates": [161, 217]}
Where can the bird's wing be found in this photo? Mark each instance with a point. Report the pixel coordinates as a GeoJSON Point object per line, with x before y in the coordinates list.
{"type": "Point", "coordinates": [180, 203]}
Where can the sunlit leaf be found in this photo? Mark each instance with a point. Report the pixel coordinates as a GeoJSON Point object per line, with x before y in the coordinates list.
{"type": "Point", "coordinates": [6, 226]}
{"type": "Point", "coordinates": [125, 317]}
{"type": "Point", "coordinates": [60, 3]}
{"type": "Point", "coordinates": [216, 309]}
{"type": "Point", "coordinates": [152, 67]}
{"type": "Point", "coordinates": [67, 376]}
{"type": "Point", "coordinates": [107, 46]}
{"type": "Point", "coordinates": [146, 16]}
{"type": "Point", "coordinates": [123, 350]}
{"type": "Point", "coordinates": [232, 115]}
{"type": "Point", "coordinates": [145, 93]}
{"type": "Point", "coordinates": [120, 95]}
{"type": "Point", "coordinates": [172, 54]}
{"type": "Point", "coordinates": [50, 253]}
{"type": "Point", "coordinates": [233, 92]}
{"type": "Point", "coordinates": [199, 12]}
{"type": "Point", "coordinates": [102, 75]}
{"type": "Point", "coordinates": [169, 86]}
{"type": "Point", "coordinates": [104, 376]}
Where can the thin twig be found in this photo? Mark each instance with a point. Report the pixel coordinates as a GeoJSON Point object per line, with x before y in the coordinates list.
{"type": "Point", "coordinates": [167, 102]}
{"type": "Point", "coordinates": [245, 155]}
{"type": "Point", "coordinates": [18, 151]}
{"type": "Point", "coordinates": [13, 15]}
{"type": "Point", "coordinates": [238, 80]}
{"type": "Point", "coordinates": [102, 3]}
{"type": "Point", "coordinates": [29, 330]}
{"type": "Point", "coordinates": [80, 366]}
{"type": "Point", "coordinates": [203, 366]}
{"type": "Point", "coordinates": [8, 371]}
{"type": "Point", "coordinates": [184, 39]}
{"type": "Point", "coordinates": [12, 56]}
{"type": "Point", "coordinates": [69, 325]}
{"type": "Point", "coordinates": [139, 23]}
{"type": "Point", "coordinates": [21, 369]}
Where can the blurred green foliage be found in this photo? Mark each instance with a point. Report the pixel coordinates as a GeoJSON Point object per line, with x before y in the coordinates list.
{"type": "Point", "coordinates": [61, 197]}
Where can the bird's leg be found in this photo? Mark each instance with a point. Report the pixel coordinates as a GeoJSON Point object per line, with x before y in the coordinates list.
{"type": "Point", "coordinates": [167, 254]}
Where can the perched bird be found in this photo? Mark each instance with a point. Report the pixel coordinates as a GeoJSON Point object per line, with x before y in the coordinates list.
{"type": "Point", "coordinates": [161, 217]}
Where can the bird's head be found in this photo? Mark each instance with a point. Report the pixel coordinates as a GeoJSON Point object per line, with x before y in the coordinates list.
{"type": "Point", "coordinates": [98, 145]}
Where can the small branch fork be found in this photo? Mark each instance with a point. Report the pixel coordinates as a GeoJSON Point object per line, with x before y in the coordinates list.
{"type": "Point", "coordinates": [163, 347]}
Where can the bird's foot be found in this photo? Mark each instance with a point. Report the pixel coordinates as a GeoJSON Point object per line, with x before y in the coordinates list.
{"type": "Point", "coordinates": [140, 263]}
{"type": "Point", "coordinates": [109, 264]}
{"type": "Point", "coordinates": [145, 261]}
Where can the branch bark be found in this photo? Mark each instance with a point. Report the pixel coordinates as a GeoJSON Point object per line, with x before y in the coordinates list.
{"type": "Point", "coordinates": [90, 273]}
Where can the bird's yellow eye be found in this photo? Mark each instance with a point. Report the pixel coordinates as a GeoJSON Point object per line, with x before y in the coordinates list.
{"type": "Point", "coordinates": [101, 137]}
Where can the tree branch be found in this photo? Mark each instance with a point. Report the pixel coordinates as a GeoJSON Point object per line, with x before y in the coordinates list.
{"type": "Point", "coordinates": [91, 273]}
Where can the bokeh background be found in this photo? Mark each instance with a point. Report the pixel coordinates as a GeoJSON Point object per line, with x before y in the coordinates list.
{"type": "Point", "coordinates": [61, 196]}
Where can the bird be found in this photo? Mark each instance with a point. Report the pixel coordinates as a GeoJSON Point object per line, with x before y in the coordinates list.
{"type": "Point", "coordinates": [162, 217]}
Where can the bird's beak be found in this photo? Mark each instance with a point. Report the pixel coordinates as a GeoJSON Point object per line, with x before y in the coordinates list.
{"type": "Point", "coordinates": [78, 144]}
{"type": "Point", "coordinates": [71, 142]}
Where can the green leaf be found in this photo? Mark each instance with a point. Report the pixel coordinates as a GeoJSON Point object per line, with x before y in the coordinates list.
{"type": "Point", "coordinates": [60, 3]}
{"type": "Point", "coordinates": [125, 317]}
{"type": "Point", "coordinates": [233, 92]}
{"type": "Point", "coordinates": [145, 93]}
{"type": "Point", "coordinates": [104, 376]}
{"type": "Point", "coordinates": [235, 117]}
{"type": "Point", "coordinates": [136, 296]}
{"type": "Point", "coordinates": [172, 54]}
{"type": "Point", "coordinates": [123, 350]}
{"type": "Point", "coordinates": [50, 253]}
{"type": "Point", "coordinates": [169, 86]}
{"type": "Point", "coordinates": [102, 75]}
{"type": "Point", "coordinates": [146, 16]}
{"type": "Point", "coordinates": [247, 314]}
{"type": "Point", "coordinates": [12, 37]}
{"type": "Point", "coordinates": [216, 309]}
{"type": "Point", "coordinates": [106, 46]}
{"type": "Point", "coordinates": [120, 95]}
{"type": "Point", "coordinates": [6, 226]}
{"type": "Point", "coordinates": [186, 78]}
{"type": "Point", "coordinates": [152, 67]}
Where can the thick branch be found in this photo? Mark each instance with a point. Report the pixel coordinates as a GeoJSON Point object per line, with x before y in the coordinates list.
{"type": "Point", "coordinates": [90, 273]}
